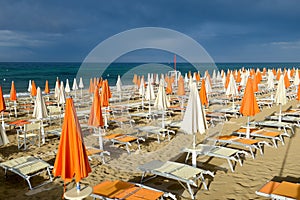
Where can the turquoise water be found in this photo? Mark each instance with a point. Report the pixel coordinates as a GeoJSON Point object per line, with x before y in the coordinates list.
{"type": "Point", "coordinates": [21, 72]}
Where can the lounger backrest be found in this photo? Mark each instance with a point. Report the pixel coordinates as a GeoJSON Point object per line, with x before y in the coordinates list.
{"type": "Point", "coordinates": [54, 109]}
{"type": "Point", "coordinates": [31, 127]}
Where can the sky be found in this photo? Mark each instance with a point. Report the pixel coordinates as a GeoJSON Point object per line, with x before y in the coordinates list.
{"type": "Point", "coordinates": [229, 30]}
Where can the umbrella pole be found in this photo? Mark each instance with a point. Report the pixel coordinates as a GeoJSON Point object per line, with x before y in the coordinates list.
{"type": "Point", "coordinates": [142, 102]}
{"type": "Point", "coordinates": [248, 128]}
{"type": "Point", "coordinates": [78, 186]}
{"type": "Point", "coordinates": [81, 92]}
{"type": "Point", "coordinates": [194, 155]}
{"type": "Point", "coordinates": [280, 110]}
{"type": "Point", "coordinates": [233, 102]}
{"type": "Point", "coordinates": [149, 107]}
{"type": "Point", "coordinates": [163, 119]}
{"type": "Point", "coordinates": [100, 139]}
{"type": "Point", "coordinates": [15, 107]}
{"type": "Point", "coordinates": [43, 132]}
{"type": "Point", "coordinates": [2, 118]}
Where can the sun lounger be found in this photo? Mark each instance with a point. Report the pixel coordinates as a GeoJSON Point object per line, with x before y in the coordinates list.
{"type": "Point", "coordinates": [27, 167]}
{"type": "Point", "coordinates": [243, 142]}
{"type": "Point", "coordinates": [289, 119]}
{"type": "Point", "coordinates": [154, 130]}
{"type": "Point", "coordinates": [93, 152]}
{"type": "Point", "coordinates": [111, 190]}
{"type": "Point", "coordinates": [274, 124]}
{"type": "Point", "coordinates": [231, 155]}
{"type": "Point", "coordinates": [280, 190]}
{"type": "Point", "coordinates": [29, 134]}
{"type": "Point", "coordinates": [124, 139]}
{"type": "Point", "coordinates": [122, 120]}
{"type": "Point", "coordinates": [262, 133]}
{"type": "Point", "coordinates": [182, 173]}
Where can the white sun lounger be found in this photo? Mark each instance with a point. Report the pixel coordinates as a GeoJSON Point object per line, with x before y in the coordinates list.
{"type": "Point", "coordinates": [289, 119]}
{"type": "Point", "coordinates": [27, 167]}
{"type": "Point", "coordinates": [231, 155]}
{"type": "Point", "coordinates": [158, 131]}
{"type": "Point", "coordinates": [182, 173]}
{"type": "Point", "coordinates": [274, 124]}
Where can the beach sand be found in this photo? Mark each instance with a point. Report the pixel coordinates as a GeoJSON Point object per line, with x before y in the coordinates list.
{"type": "Point", "coordinates": [241, 184]}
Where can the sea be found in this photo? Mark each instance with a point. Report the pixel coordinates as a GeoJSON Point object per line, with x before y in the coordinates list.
{"type": "Point", "coordinates": [22, 72]}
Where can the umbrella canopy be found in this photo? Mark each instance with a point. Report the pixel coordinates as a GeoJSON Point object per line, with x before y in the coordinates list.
{"type": "Point", "coordinates": [81, 86]}
{"type": "Point", "coordinates": [161, 101]}
{"type": "Point", "coordinates": [194, 120]}
{"type": "Point", "coordinates": [286, 80]}
{"type": "Point", "coordinates": [119, 84]}
{"type": "Point", "coordinates": [96, 118]}
{"type": "Point", "coordinates": [56, 89]}
{"type": "Point", "coordinates": [2, 101]}
{"type": "Point", "coordinates": [71, 158]}
{"type": "Point", "coordinates": [105, 94]}
{"type": "Point", "coordinates": [13, 92]}
{"type": "Point", "coordinates": [33, 89]}
{"type": "Point", "coordinates": [296, 78]}
{"type": "Point", "coordinates": [180, 89]}
{"type": "Point", "coordinates": [47, 90]}
{"type": "Point", "coordinates": [40, 109]}
{"type": "Point", "coordinates": [29, 86]}
{"type": "Point", "coordinates": [149, 95]}
{"type": "Point", "coordinates": [203, 94]}
{"type": "Point", "coordinates": [231, 89]}
{"type": "Point", "coordinates": [74, 86]}
{"type": "Point", "coordinates": [298, 96]}
{"type": "Point", "coordinates": [91, 88]}
{"type": "Point", "coordinates": [249, 106]}
{"type": "Point", "coordinates": [62, 95]}
{"type": "Point", "coordinates": [67, 88]}
{"type": "Point", "coordinates": [3, 137]}
{"type": "Point", "coordinates": [280, 96]}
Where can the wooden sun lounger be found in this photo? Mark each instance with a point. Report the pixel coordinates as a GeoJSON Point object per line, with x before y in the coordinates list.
{"type": "Point", "coordinates": [182, 173]}
{"type": "Point", "coordinates": [262, 133]}
{"type": "Point", "coordinates": [27, 167]}
{"type": "Point", "coordinates": [112, 190]}
{"type": "Point", "coordinates": [280, 190]}
{"type": "Point", "coordinates": [231, 155]}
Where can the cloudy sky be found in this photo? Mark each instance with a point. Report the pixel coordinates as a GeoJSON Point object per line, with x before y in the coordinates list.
{"type": "Point", "coordinates": [230, 31]}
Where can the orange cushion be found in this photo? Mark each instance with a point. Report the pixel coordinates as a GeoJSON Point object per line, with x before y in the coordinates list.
{"type": "Point", "coordinates": [269, 187]}
{"type": "Point", "coordinates": [288, 189]}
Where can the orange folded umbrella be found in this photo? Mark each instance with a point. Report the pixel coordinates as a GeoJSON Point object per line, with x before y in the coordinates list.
{"type": "Point", "coordinates": [249, 106]}
{"type": "Point", "coordinates": [2, 102]}
{"type": "Point", "coordinates": [180, 89]}
{"type": "Point", "coordinates": [13, 92]}
{"type": "Point", "coordinates": [169, 85]}
{"type": "Point", "coordinates": [105, 94]}
{"type": "Point", "coordinates": [255, 84]}
{"type": "Point", "coordinates": [227, 80]}
{"type": "Point", "coordinates": [96, 118]}
{"type": "Point", "coordinates": [134, 80]}
{"type": "Point", "coordinates": [202, 93]}
{"type": "Point", "coordinates": [91, 88]}
{"type": "Point", "coordinates": [71, 159]}
{"type": "Point", "coordinates": [47, 90]}
{"type": "Point", "coordinates": [258, 77]}
{"type": "Point", "coordinates": [278, 74]}
{"type": "Point", "coordinates": [286, 80]}
{"type": "Point", "coordinates": [238, 77]}
{"type": "Point", "coordinates": [33, 89]}
{"type": "Point", "coordinates": [197, 77]}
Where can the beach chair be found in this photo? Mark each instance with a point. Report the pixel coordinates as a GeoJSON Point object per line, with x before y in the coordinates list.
{"type": "Point", "coordinates": [262, 133]}
{"type": "Point", "coordinates": [275, 124]}
{"type": "Point", "coordinates": [111, 190]}
{"type": "Point", "coordinates": [231, 155]}
{"type": "Point", "coordinates": [29, 134]}
{"type": "Point", "coordinates": [182, 173]}
{"type": "Point", "coordinates": [94, 152]}
{"type": "Point", "coordinates": [123, 139]}
{"type": "Point", "coordinates": [27, 167]}
{"type": "Point", "coordinates": [242, 142]}
{"type": "Point", "coordinates": [280, 190]}
{"type": "Point", "coordinates": [157, 131]}
{"type": "Point", "coordinates": [54, 114]}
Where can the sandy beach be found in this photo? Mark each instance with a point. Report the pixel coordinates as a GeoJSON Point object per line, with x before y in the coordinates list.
{"type": "Point", "coordinates": [241, 184]}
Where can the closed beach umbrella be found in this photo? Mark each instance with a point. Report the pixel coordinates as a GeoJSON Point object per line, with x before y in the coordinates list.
{"type": "Point", "coordinates": [29, 86]}
{"type": "Point", "coordinates": [81, 85]}
{"type": "Point", "coordinates": [96, 118]}
{"type": "Point", "coordinates": [67, 88]}
{"type": "Point", "coordinates": [194, 120]}
{"type": "Point", "coordinates": [105, 95]}
{"type": "Point", "coordinates": [40, 111]}
{"type": "Point", "coordinates": [33, 89]}
{"type": "Point", "coordinates": [249, 106]}
{"type": "Point", "coordinates": [13, 96]}
{"type": "Point", "coordinates": [232, 89]}
{"type": "Point", "coordinates": [286, 80]}
{"type": "Point", "coordinates": [91, 88]}
{"type": "Point", "coordinates": [71, 159]}
{"type": "Point", "coordinates": [56, 89]}
{"type": "Point", "coordinates": [203, 94]}
{"type": "Point", "coordinates": [62, 95]}
{"type": "Point", "coordinates": [180, 89]}
{"type": "Point", "coordinates": [74, 86]}
{"type": "Point", "coordinates": [3, 140]}
{"type": "Point", "coordinates": [280, 96]}
{"type": "Point", "coordinates": [298, 95]}
{"type": "Point", "coordinates": [149, 95]}
{"type": "Point", "coordinates": [119, 87]}
{"type": "Point", "coordinates": [47, 90]}
{"type": "Point", "coordinates": [169, 89]}
{"type": "Point", "coordinates": [142, 90]}
{"type": "Point", "coordinates": [162, 102]}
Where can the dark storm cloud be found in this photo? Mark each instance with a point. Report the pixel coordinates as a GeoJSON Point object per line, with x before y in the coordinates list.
{"type": "Point", "coordinates": [229, 30]}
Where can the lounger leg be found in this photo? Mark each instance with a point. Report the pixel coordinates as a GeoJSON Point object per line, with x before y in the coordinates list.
{"type": "Point", "coordinates": [190, 191]}
{"type": "Point", "coordinates": [230, 165]}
